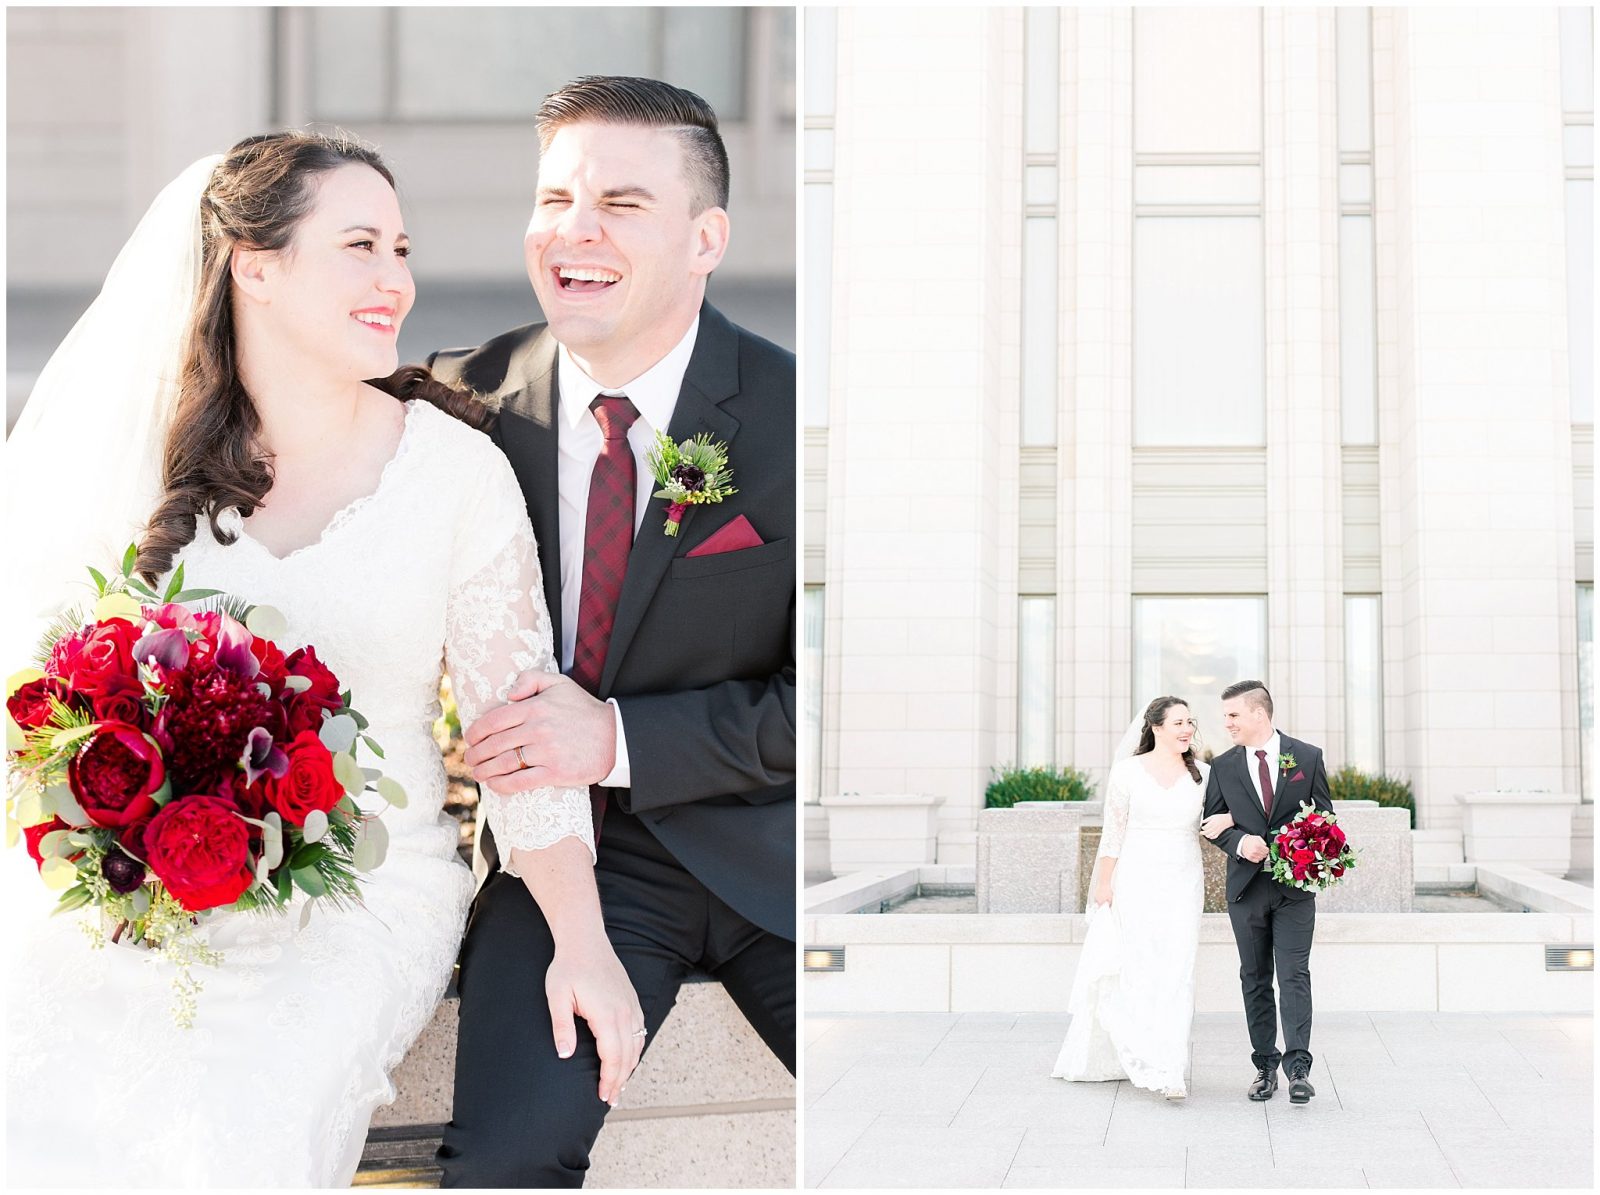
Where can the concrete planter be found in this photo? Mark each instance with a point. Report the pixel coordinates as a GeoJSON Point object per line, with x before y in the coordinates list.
{"type": "Point", "coordinates": [875, 831]}
{"type": "Point", "coordinates": [1028, 858]}
{"type": "Point", "coordinates": [1527, 828]}
{"type": "Point", "coordinates": [1382, 880]}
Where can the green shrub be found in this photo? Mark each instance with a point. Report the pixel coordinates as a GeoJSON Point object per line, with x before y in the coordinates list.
{"type": "Point", "coordinates": [1011, 785]}
{"type": "Point", "coordinates": [1349, 784]}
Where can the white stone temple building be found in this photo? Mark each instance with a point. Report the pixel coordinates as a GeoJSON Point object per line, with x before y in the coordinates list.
{"type": "Point", "coordinates": [1146, 350]}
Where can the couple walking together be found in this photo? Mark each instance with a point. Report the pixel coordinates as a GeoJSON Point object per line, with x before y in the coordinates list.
{"type": "Point", "coordinates": [232, 402]}
{"type": "Point", "coordinates": [1132, 999]}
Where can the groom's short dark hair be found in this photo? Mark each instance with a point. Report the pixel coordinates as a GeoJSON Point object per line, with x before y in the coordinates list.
{"type": "Point", "coordinates": [1254, 690]}
{"type": "Point", "coordinates": [623, 99]}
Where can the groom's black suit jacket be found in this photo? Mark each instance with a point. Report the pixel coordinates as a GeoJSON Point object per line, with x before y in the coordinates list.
{"type": "Point", "coordinates": [1231, 790]}
{"type": "Point", "coordinates": [701, 659]}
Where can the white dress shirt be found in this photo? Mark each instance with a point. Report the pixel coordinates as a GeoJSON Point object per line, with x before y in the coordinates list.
{"type": "Point", "coordinates": [1273, 747]}
{"type": "Point", "coordinates": [654, 394]}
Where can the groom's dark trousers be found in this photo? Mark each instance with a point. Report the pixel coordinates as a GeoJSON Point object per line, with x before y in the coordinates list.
{"type": "Point", "coordinates": [1272, 922]}
{"type": "Point", "coordinates": [696, 858]}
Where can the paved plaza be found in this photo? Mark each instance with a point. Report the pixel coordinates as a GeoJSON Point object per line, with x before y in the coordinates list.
{"type": "Point", "coordinates": [1403, 1100]}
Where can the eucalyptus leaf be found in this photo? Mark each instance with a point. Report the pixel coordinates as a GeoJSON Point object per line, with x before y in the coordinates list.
{"type": "Point", "coordinates": [16, 741]}
{"type": "Point", "coordinates": [338, 733]}
{"type": "Point", "coordinates": [348, 773]}
{"type": "Point", "coordinates": [29, 807]}
{"type": "Point", "coordinates": [13, 831]}
{"type": "Point", "coordinates": [316, 826]}
{"type": "Point", "coordinates": [60, 800]}
{"type": "Point", "coordinates": [65, 738]}
{"type": "Point", "coordinates": [141, 901]}
{"type": "Point", "coordinates": [117, 605]}
{"type": "Point", "coordinates": [58, 875]}
{"type": "Point", "coordinates": [392, 791]}
{"type": "Point", "coordinates": [264, 689]}
{"type": "Point", "coordinates": [73, 898]}
{"type": "Point", "coordinates": [266, 623]}
{"type": "Point", "coordinates": [272, 841]}
{"type": "Point", "coordinates": [263, 872]}
{"type": "Point", "coordinates": [55, 843]}
{"type": "Point", "coordinates": [296, 684]}
{"type": "Point", "coordinates": [361, 722]}
{"type": "Point", "coordinates": [348, 807]}
{"type": "Point", "coordinates": [372, 745]}
{"type": "Point", "coordinates": [305, 913]}
{"type": "Point", "coordinates": [195, 595]}
{"type": "Point", "coordinates": [310, 881]}
{"type": "Point", "coordinates": [78, 838]}
{"type": "Point", "coordinates": [373, 775]}
{"type": "Point", "coordinates": [372, 847]}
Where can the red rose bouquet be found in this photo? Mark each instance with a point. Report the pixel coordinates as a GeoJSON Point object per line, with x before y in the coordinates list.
{"type": "Point", "coordinates": [1310, 851]}
{"type": "Point", "coordinates": [168, 761]}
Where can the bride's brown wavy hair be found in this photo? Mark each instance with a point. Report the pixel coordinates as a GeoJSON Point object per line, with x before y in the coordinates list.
{"type": "Point", "coordinates": [1154, 715]}
{"type": "Point", "coordinates": [213, 458]}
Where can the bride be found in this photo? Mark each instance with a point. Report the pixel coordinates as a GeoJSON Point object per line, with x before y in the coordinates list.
{"type": "Point", "coordinates": [1133, 996]}
{"type": "Point", "coordinates": [212, 403]}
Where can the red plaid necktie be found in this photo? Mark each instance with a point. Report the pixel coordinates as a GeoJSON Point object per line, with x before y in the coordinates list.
{"type": "Point", "coordinates": [607, 539]}
{"type": "Point", "coordinates": [1266, 783]}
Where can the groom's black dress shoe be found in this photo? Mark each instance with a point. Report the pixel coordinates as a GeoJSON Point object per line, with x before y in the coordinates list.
{"type": "Point", "coordinates": [1300, 1090]}
{"type": "Point", "coordinates": [1266, 1083]}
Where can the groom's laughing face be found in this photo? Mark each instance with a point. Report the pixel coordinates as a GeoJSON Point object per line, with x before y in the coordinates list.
{"type": "Point", "coordinates": [616, 251]}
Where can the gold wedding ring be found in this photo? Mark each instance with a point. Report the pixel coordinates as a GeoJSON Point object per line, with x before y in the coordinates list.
{"type": "Point", "coordinates": [522, 763]}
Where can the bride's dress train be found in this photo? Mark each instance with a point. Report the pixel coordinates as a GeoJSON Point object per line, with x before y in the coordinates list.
{"type": "Point", "coordinates": [297, 1030]}
{"type": "Point", "coordinates": [1132, 1000]}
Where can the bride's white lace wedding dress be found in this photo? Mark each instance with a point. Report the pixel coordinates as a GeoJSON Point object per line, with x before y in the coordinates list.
{"type": "Point", "coordinates": [297, 1030]}
{"type": "Point", "coordinates": [1132, 1000]}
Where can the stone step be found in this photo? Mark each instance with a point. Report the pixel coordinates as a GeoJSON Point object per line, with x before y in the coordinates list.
{"type": "Point", "coordinates": [709, 1106]}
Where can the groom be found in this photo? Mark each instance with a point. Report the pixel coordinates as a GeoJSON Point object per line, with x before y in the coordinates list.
{"type": "Point", "coordinates": [1262, 783]}
{"type": "Point", "coordinates": [678, 706]}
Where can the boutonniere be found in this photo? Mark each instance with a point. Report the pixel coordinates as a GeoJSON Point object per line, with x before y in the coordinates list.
{"type": "Point", "coordinates": [1285, 762]}
{"type": "Point", "coordinates": [694, 473]}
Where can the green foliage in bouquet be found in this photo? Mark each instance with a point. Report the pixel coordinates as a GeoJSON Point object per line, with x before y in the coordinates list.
{"type": "Point", "coordinates": [1011, 785]}
{"type": "Point", "coordinates": [1351, 784]}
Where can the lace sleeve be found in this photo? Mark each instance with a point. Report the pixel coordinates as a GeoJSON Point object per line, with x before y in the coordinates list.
{"type": "Point", "coordinates": [1115, 828]}
{"type": "Point", "coordinates": [496, 627]}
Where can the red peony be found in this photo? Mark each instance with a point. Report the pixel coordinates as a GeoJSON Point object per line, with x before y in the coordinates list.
{"type": "Point", "coordinates": [207, 721]}
{"type": "Point", "coordinates": [122, 701]}
{"type": "Point", "coordinates": [30, 704]}
{"type": "Point", "coordinates": [105, 658]}
{"type": "Point", "coordinates": [306, 709]}
{"type": "Point", "coordinates": [199, 847]}
{"type": "Point", "coordinates": [309, 784]}
{"type": "Point", "coordinates": [117, 775]}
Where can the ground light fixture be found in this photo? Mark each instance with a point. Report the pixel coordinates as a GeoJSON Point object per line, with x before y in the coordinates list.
{"type": "Point", "coordinates": [1565, 958]}
{"type": "Point", "coordinates": [824, 958]}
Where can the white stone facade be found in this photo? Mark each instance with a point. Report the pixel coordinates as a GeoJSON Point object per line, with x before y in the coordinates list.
{"type": "Point", "coordinates": [1465, 512]}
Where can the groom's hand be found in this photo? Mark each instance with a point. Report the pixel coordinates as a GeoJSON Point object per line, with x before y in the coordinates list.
{"type": "Point", "coordinates": [568, 738]}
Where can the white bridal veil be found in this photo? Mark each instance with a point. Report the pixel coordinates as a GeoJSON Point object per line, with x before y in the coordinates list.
{"type": "Point", "coordinates": [83, 464]}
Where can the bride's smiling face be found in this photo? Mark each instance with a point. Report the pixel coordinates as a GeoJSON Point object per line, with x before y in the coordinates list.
{"type": "Point", "coordinates": [1176, 731]}
{"type": "Point", "coordinates": [338, 294]}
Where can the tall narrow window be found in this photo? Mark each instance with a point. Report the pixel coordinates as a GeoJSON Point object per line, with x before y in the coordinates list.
{"type": "Point", "coordinates": [1040, 255]}
{"type": "Point", "coordinates": [1586, 687]}
{"type": "Point", "coordinates": [1363, 683]}
{"type": "Point", "coordinates": [811, 698]}
{"type": "Point", "coordinates": [1358, 329]}
{"type": "Point", "coordinates": [1036, 681]}
{"type": "Point", "coordinates": [1195, 647]}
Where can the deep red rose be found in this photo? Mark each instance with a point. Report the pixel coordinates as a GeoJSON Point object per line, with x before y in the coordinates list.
{"type": "Point", "coordinates": [274, 667]}
{"type": "Point", "coordinates": [306, 709]}
{"type": "Point", "coordinates": [206, 723]}
{"type": "Point", "coordinates": [1337, 871]}
{"type": "Point", "coordinates": [1336, 836]}
{"type": "Point", "coordinates": [64, 655]}
{"type": "Point", "coordinates": [106, 657]}
{"type": "Point", "coordinates": [1304, 857]}
{"type": "Point", "coordinates": [33, 835]}
{"type": "Point", "coordinates": [117, 775]}
{"type": "Point", "coordinates": [30, 704]}
{"type": "Point", "coordinates": [199, 847]}
{"type": "Point", "coordinates": [122, 701]}
{"type": "Point", "coordinates": [309, 784]}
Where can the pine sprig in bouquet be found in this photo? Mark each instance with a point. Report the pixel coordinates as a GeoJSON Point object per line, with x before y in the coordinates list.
{"type": "Point", "coordinates": [1310, 852]}
{"type": "Point", "coordinates": [167, 761]}
{"type": "Point", "coordinates": [693, 473]}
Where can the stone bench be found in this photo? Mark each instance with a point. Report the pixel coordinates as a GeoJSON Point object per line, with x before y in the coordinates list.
{"type": "Point", "coordinates": [709, 1106]}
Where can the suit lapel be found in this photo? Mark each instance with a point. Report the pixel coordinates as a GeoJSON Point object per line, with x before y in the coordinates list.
{"type": "Point", "coordinates": [529, 436]}
{"type": "Point", "coordinates": [1249, 782]}
{"type": "Point", "coordinates": [712, 378]}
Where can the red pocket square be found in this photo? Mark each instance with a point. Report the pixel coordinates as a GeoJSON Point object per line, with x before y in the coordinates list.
{"type": "Point", "coordinates": [730, 537]}
{"type": "Point", "coordinates": [1297, 776]}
